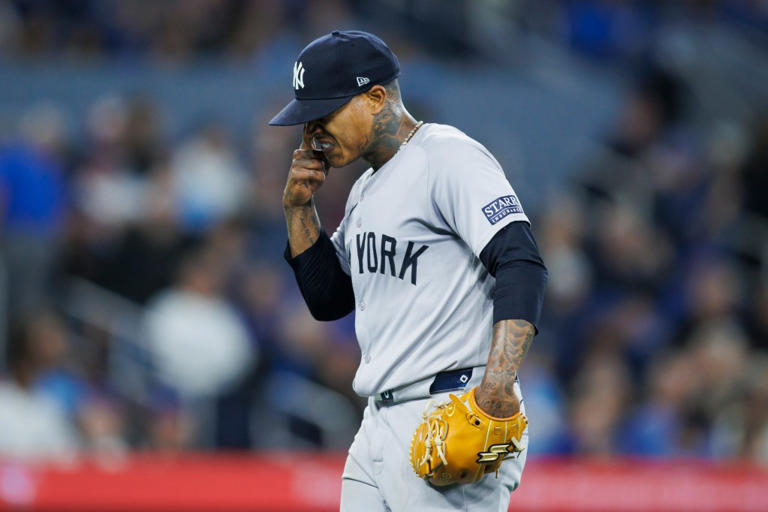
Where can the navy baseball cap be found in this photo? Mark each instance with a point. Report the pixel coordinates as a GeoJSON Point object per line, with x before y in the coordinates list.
{"type": "Point", "coordinates": [334, 68]}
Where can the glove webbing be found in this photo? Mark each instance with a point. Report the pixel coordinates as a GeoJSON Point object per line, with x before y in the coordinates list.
{"type": "Point", "coordinates": [435, 435]}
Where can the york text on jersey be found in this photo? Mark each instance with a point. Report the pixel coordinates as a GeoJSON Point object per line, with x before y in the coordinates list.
{"type": "Point", "coordinates": [378, 254]}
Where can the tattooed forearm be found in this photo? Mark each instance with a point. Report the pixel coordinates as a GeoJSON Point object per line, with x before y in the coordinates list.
{"type": "Point", "coordinates": [303, 227]}
{"type": "Point", "coordinates": [511, 339]}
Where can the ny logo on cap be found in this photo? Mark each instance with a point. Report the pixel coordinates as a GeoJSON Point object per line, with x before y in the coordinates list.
{"type": "Point", "coordinates": [298, 75]}
{"type": "Point", "coordinates": [362, 80]}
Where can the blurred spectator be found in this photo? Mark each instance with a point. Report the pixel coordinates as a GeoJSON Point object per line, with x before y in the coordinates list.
{"type": "Point", "coordinates": [200, 344]}
{"type": "Point", "coordinates": [620, 172]}
{"type": "Point", "coordinates": [758, 316]}
{"type": "Point", "coordinates": [742, 426]}
{"type": "Point", "coordinates": [601, 391]}
{"type": "Point", "coordinates": [102, 428]}
{"type": "Point", "coordinates": [658, 426]}
{"type": "Point", "coordinates": [754, 176]}
{"type": "Point", "coordinates": [544, 403]}
{"type": "Point", "coordinates": [560, 237]}
{"type": "Point", "coordinates": [33, 205]}
{"type": "Point", "coordinates": [9, 26]}
{"type": "Point", "coordinates": [108, 192]}
{"type": "Point", "coordinates": [32, 425]}
{"type": "Point", "coordinates": [610, 30]}
{"type": "Point", "coordinates": [208, 179]}
{"type": "Point", "coordinates": [170, 430]}
{"type": "Point", "coordinates": [142, 137]}
{"type": "Point", "coordinates": [719, 352]}
{"type": "Point", "coordinates": [628, 252]}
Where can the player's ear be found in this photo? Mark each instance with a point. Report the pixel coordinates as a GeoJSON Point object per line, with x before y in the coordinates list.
{"type": "Point", "coordinates": [376, 98]}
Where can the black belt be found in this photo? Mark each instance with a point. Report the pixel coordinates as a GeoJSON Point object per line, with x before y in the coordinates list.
{"type": "Point", "coordinates": [452, 380]}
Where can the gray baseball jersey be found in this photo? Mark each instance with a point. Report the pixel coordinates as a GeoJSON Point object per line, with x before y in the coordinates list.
{"type": "Point", "coordinates": [410, 240]}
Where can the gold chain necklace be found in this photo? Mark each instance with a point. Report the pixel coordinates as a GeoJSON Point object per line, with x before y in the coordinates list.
{"type": "Point", "coordinates": [410, 134]}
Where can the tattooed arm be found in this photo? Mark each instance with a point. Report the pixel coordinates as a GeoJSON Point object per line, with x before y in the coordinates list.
{"type": "Point", "coordinates": [326, 288]}
{"type": "Point", "coordinates": [307, 174]}
{"type": "Point", "coordinates": [303, 227]}
{"type": "Point", "coordinates": [511, 339]}
{"type": "Point", "coordinates": [513, 258]}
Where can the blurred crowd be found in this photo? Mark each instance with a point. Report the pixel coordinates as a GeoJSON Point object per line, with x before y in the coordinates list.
{"type": "Point", "coordinates": [177, 31]}
{"type": "Point", "coordinates": [656, 318]}
{"type": "Point", "coordinates": [183, 243]}
{"type": "Point", "coordinates": [146, 304]}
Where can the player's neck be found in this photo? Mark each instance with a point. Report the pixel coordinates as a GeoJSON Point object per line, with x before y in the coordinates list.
{"type": "Point", "coordinates": [390, 130]}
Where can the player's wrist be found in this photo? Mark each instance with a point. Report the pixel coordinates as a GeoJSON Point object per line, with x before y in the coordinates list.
{"type": "Point", "coordinates": [494, 403]}
{"type": "Point", "coordinates": [289, 204]}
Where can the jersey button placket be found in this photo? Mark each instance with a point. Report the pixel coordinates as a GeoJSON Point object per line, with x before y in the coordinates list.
{"type": "Point", "coordinates": [366, 355]}
{"type": "Point", "coordinates": [359, 221]}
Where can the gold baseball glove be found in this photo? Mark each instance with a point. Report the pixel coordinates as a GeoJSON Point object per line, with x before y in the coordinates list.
{"type": "Point", "coordinates": [458, 443]}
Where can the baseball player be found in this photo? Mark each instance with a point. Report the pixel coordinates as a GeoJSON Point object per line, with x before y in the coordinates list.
{"type": "Point", "coordinates": [436, 257]}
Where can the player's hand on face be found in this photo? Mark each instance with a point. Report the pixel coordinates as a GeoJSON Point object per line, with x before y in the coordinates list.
{"type": "Point", "coordinates": [307, 174]}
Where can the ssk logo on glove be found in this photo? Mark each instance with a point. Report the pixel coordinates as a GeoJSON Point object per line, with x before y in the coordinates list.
{"type": "Point", "coordinates": [494, 453]}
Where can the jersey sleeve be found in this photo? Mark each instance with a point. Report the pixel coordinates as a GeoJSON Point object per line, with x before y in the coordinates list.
{"type": "Point", "coordinates": [470, 192]}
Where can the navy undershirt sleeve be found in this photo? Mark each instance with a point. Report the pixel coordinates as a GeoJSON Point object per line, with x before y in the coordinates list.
{"type": "Point", "coordinates": [326, 288]}
{"type": "Point", "coordinates": [512, 256]}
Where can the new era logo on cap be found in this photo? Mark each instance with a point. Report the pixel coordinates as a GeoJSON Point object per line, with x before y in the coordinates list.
{"type": "Point", "coordinates": [342, 65]}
